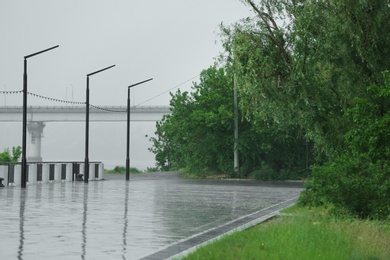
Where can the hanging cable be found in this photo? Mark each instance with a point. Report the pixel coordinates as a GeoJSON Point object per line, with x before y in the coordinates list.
{"type": "Point", "coordinates": [96, 107]}
{"type": "Point", "coordinates": [11, 92]}
{"type": "Point", "coordinates": [167, 91]}
{"type": "Point", "coordinates": [108, 110]}
{"type": "Point", "coordinates": [55, 99]}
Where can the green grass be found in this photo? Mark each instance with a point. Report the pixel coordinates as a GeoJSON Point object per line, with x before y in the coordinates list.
{"type": "Point", "coordinates": [304, 234]}
{"type": "Point", "coordinates": [133, 170]}
{"type": "Point", "coordinates": [121, 170]}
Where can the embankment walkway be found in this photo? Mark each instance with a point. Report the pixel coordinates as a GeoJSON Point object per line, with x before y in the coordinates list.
{"type": "Point", "coordinates": [153, 216]}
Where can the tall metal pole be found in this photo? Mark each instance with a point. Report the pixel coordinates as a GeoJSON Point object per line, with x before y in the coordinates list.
{"type": "Point", "coordinates": [128, 137]}
{"type": "Point", "coordinates": [24, 137]}
{"type": "Point", "coordinates": [235, 148]}
{"type": "Point", "coordinates": [128, 128]}
{"type": "Point", "coordinates": [236, 161]}
{"type": "Point", "coordinates": [24, 126]}
{"type": "Point", "coordinates": [86, 160]}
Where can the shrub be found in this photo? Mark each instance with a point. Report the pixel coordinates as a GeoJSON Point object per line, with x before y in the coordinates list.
{"type": "Point", "coordinates": [358, 181]}
{"type": "Point", "coordinates": [152, 169]}
{"type": "Point", "coordinates": [265, 173]}
{"type": "Point", "coordinates": [353, 184]}
{"type": "Point", "coordinates": [6, 156]}
{"type": "Point", "coordinates": [122, 170]}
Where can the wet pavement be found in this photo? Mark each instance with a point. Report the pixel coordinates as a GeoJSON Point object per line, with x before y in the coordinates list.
{"type": "Point", "coordinates": [150, 217]}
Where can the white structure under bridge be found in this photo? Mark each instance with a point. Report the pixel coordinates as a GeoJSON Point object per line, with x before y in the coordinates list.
{"type": "Point", "coordinates": [44, 172]}
{"type": "Point", "coordinates": [38, 116]}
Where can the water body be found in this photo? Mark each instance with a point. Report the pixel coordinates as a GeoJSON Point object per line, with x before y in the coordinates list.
{"type": "Point", "coordinates": [115, 219]}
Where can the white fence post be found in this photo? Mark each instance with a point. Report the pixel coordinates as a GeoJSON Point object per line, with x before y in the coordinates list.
{"type": "Point", "coordinates": [57, 172]}
{"type": "Point", "coordinates": [32, 174]}
{"type": "Point", "coordinates": [17, 174]}
{"type": "Point", "coordinates": [69, 172]}
{"type": "Point", "coordinates": [96, 172]}
{"type": "Point", "coordinates": [45, 172]}
{"type": "Point", "coordinates": [4, 174]}
{"type": "Point", "coordinates": [101, 171]}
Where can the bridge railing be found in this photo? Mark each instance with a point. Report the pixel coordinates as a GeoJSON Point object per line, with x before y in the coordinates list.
{"type": "Point", "coordinates": [43, 172]}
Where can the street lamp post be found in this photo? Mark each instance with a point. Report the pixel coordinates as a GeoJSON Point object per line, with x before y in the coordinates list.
{"type": "Point", "coordinates": [86, 161]}
{"type": "Point", "coordinates": [24, 137]}
{"type": "Point", "coordinates": [128, 128]}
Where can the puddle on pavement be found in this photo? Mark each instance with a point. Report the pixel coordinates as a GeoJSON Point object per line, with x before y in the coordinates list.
{"type": "Point", "coordinates": [115, 219]}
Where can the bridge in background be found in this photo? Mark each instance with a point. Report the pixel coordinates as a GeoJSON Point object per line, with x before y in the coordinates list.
{"type": "Point", "coordinates": [77, 113]}
{"type": "Point", "coordinates": [37, 116]}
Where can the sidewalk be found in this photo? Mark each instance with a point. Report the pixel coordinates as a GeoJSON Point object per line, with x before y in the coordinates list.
{"type": "Point", "coordinates": [153, 216]}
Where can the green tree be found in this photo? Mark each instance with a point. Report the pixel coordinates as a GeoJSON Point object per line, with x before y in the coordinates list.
{"type": "Point", "coordinates": [306, 70]}
{"type": "Point", "coordinates": [6, 156]}
{"type": "Point", "coordinates": [338, 49]}
{"type": "Point", "coordinates": [198, 135]}
{"type": "Point", "coordinates": [358, 181]}
{"type": "Point", "coordinates": [311, 72]}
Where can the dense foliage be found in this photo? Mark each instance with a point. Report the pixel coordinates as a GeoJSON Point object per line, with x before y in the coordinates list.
{"type": "Point", "coordinates": [199, 134]}
{"type": "Point", "coordinates": [6, 156]}
{"type": "Point", "coordinates": [358, 181]}
{"type": "Point", "coordinates": [311, 71]}
{"type": "Point", "coordinates": [307, 70]}
{"type": "Point", "coordinates": [313, 89]}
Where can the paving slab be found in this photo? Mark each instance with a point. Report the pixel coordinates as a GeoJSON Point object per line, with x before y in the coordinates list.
{"type": "Point", "coordinates": [192, 243]}
{"type": "Point", "coordinates": [153, 216]}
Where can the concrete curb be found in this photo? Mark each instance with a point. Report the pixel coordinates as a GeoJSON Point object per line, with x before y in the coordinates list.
{"type": "Point", "coordinates": [188, 245]}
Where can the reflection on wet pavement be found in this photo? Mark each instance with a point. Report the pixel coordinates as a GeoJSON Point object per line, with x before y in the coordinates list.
{"type": "Point", "coordinates": [115, 219]}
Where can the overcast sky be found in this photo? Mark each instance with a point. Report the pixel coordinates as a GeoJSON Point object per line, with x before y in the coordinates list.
{"type": "Point", "coordinates": [170, 41]}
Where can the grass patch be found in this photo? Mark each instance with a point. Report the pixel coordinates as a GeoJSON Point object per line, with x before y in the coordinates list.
{"type": "Point", "coordinates": [122, 170]}
{"type": "Point", "coordinates": [199, 177]}
{"type": "Point", "coordinates": [189, 176]}
{"type": "Point", "coordinates": [303, 233]}
{"type": "Point", "coordinates": [185, 174]}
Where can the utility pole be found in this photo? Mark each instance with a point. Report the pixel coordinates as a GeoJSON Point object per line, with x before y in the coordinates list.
{"type": "Point", "coordinates": [236, 162]}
